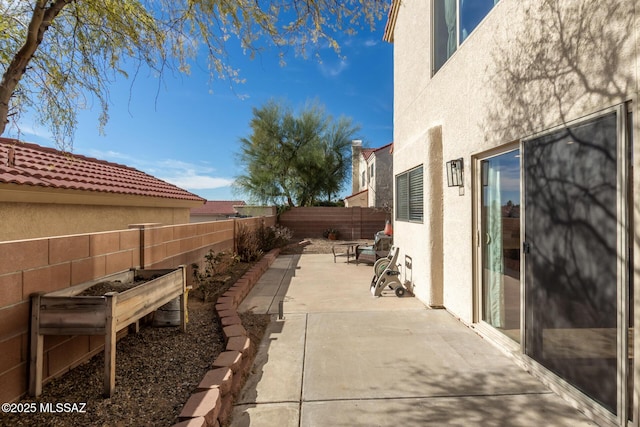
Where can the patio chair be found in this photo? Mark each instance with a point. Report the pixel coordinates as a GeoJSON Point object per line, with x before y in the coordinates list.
{"type": "Point", "coordinates": [380, 248]}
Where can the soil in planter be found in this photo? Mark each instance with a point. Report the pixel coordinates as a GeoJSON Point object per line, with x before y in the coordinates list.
{"type": "Point", "coordinates": [107, 286]}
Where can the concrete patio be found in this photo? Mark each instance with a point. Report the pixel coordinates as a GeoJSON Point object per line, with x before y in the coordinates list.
{"type": "Point", "coordinates": [341, 357]}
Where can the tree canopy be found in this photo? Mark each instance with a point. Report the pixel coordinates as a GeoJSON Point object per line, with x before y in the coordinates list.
{"type": "Point", "coordinates": [60, 55]}
{"type": "Point", "coordinates": [295, 159]}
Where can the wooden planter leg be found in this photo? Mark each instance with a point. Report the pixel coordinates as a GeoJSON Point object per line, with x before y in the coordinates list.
{"type": "Point", "coordinates": [110, 345]}
{"type": "Point", "coordinates": [183, 301]}
{"type": "Point", "coordinates": [37, 349]}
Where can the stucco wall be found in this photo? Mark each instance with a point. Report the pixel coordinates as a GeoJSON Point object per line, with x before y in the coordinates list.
{"type": "Point", "coordinates": [527, 67]}
{"type": "Point", "coordinates": [361, 200]}
{"type": "Point", "coordinates": [383, 179]}
{"type": "Point", "coordinates": [34, 220]}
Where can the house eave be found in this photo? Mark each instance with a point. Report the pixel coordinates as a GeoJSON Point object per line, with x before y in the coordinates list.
{"type": "Point", "coordinates": [356, 194]}
{"type": "Point", "coordinates": [14, 193]}
{"type": "Point", "coordinates": [390, 26]}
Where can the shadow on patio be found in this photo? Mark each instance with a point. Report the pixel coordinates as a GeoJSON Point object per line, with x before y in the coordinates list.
{"type": "Point", "coordinates": [341, 357]}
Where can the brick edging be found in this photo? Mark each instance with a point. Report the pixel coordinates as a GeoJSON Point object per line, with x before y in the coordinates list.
{"type": "Point", "coordinates": [212, 402]}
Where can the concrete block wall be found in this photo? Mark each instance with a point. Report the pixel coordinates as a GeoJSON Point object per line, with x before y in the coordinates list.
{"type": "Point", "coordinates": [49, 264]}
{"type": "Point", "coordinates": [352, 223]}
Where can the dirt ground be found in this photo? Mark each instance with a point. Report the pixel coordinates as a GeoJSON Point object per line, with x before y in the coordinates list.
{"type": "Point", "coordinates": [156, 369]}
{"type": "Point", "coordinates": [319, 246]}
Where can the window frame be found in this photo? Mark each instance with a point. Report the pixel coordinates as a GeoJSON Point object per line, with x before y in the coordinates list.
{"type": "Point", "coordinates": [411, 209]}
{"type": "Point", "coordinates": [459, 42]}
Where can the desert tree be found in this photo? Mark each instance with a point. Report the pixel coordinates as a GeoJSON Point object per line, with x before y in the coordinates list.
{"type": "Point", "coordinates": [295, 159]}
{"type": "Point", "coordinates": [57, 56]}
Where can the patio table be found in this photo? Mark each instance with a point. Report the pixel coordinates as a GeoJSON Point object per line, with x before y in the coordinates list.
{"type": "Point", "coordinates": [346, 249]}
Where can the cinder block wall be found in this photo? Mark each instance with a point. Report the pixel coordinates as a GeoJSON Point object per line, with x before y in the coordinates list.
{"type": "Point", "coordinates": [49, 264]}
{"type": "Point", "coordinates": [352, 223]}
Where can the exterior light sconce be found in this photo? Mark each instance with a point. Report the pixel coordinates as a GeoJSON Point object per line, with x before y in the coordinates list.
{"type": "Point", "coordinates": [454, 173]}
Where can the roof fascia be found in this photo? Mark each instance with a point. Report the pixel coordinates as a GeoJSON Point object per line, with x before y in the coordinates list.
{"type": "Point", "coordinates": [390, 27]}
{"type": "Point", "coordinates": [34, 194]}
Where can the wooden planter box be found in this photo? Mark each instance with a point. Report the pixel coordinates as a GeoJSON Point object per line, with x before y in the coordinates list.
{"type": "Point", "coordinates": [64, 312]}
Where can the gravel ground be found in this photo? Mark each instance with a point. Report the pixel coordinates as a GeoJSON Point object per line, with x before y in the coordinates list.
{"type": "Point", "coordinates": [156, 369]}
{"type": "Point", "coordinates": [319, 246]}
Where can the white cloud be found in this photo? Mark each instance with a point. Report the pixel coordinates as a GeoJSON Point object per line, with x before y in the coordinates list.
{"type": "Point", "coordinates": [333, 70]}
{"type": "Point", "coordinates": [188, 175]}
{"type": "Point", "coordinates": [193, 181]}
{"type": "Point", "coordinates": [177, 172]}
{"type": "Point", "coordinates": [36, 131]}
{"type": "Point", "coordinates": [370, 43]}
{"type": "Point", "coordinates": [111, 156]}
{"type": "Point", "coordinates": [28, 132]}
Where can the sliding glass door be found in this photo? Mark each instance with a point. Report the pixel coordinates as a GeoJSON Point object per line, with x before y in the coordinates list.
{"type": "Point", "coordinates": [558, 206]}
{"type": "Point", "coordinates": [500, 242]}
{"type": "Point", "coordinates": [575, 252]}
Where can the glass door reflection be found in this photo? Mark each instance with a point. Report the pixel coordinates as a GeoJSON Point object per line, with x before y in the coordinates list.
{"type": "Point", "coordinates": [500, 232]}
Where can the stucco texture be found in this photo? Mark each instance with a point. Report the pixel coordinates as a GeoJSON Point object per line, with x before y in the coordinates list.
{"type": "Point", "coordinates": [528, 66]}
{"type": "Point", "coordinates": [34, 220]}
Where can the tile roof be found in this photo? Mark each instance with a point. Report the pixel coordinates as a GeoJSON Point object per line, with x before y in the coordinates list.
{"type": "Point", "coordinates": [367, 152]}
{"type": "Point", "coordinates": [218, 207]}
{"type": "Point", "coordinates": [30, 164]}
{"type": "Point", "coordinates": [357, 194]}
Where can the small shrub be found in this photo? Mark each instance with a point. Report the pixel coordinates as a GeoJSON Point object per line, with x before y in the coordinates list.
{"type": "Point", "coordinates": [273, 237]}
{"type": "Point", "coordinates": [283, 235]}
{"type": "Point", "coordinates": [248, 247]}
{"type": "Point", "coordinates": [266, 237]}
{"type": "Point", "coordinates": [215, 266]}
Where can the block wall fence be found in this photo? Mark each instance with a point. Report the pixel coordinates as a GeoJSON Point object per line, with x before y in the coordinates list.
{"type": "Point", "coordinates": [49, 264]}
{"type": "Point", "coordinates": [351, 223]}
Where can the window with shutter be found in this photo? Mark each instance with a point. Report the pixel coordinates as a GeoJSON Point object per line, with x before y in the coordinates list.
{"type": "Point", "coordinates": [410, 195]}
{"type": "Point", "coordinates": [402, 197]}
{"type": "Point", "coordinates": [416, 207]}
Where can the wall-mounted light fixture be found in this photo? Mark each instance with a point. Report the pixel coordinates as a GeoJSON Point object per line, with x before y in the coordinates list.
{"type": "Point", "coordinates": [454, 173]}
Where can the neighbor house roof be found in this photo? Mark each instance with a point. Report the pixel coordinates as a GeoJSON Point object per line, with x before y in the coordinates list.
{"type": "Point", "coordinates": [367, 152]}
{"type": "Point", "coordinates": [32, 165]}
{"type": "Point", "coordinates": [356, 194]}
{"type": "Point", "coordinates": [218, 207]}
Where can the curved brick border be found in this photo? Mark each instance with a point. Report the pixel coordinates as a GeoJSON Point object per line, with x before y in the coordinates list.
{"type": "Point", "coordinates": [212, 403]}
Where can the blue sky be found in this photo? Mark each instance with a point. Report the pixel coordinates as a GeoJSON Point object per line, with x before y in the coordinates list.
{"type": "Point", "coordinates": [187, 131]}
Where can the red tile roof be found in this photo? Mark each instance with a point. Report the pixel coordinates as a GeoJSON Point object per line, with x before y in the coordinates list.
{"type": "Point", "coordinates": [30, 164]}
{"type": "Point", "coordinates": [357, 194]}
{"type": "Point", "coordinates": [218, 207]}
{"type": "Point", "coordinates": [367, 152]}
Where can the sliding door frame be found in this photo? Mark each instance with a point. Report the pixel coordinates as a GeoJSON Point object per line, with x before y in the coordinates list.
{"type": "Point", "coordinates": [622, 276]}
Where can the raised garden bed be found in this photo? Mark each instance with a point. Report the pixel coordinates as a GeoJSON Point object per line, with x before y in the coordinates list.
{"type": "Point", "coordinates": [67, 312]}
